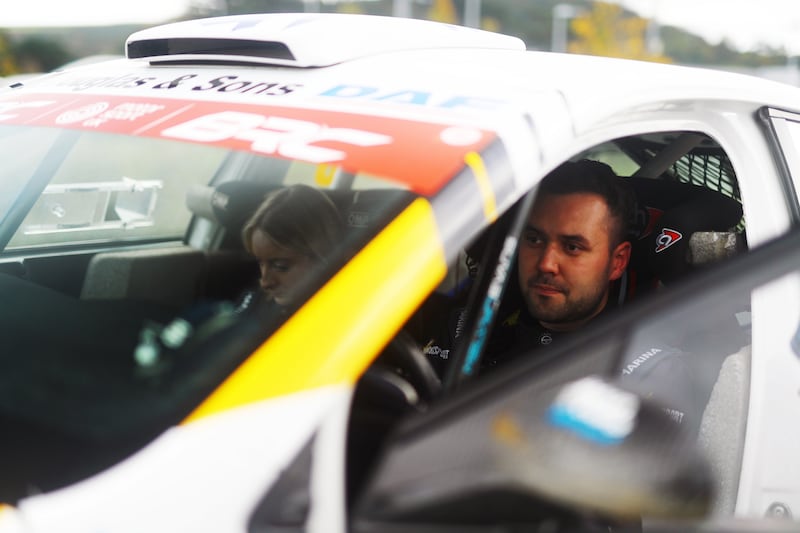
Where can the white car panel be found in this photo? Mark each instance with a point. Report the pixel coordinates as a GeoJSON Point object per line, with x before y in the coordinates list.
{"type": "Point", "coordinates": [173, 485]}
{"type": "Point", "coordinates": [770, 462]}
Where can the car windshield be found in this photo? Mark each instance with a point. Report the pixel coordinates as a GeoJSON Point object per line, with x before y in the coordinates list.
{"type": "Point", "coordinates": [149, 246]}
{"type": "Point", "coordinates": [129, 292]}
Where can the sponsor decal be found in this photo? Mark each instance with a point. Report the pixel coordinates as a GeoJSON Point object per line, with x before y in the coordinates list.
{"type": "Point", "coordinates": [636, 363]}
{"type": "Point", "coordinates": [595, 411]}
{"type": "Point", "coordinates": [95, 115]}
{"type": "Point", "coordinates": [291, 138]}
{"type": "Point", "coordinates": [490, 305]}
{"type": "Point", "coordinates": [413, 97]}
{"type": "Point", "coordinates": [358, 219]}
{"type": "Point", "coordinates": [437, 351]}
{"type": "Point", "coordinates": [674, 414]}
{"type": "Point", "coordinates": [667, 238]}
{"type": "Point", "coordinates": [7, 109]}
{"type": "Point", "coordinates": [231, 84]}
{"type": "Point", "coordinates": [460, 323]}
{"type": "Point", "coordinates": [377, 145]}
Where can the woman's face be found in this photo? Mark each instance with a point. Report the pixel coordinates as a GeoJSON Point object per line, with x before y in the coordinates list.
{"type": "Point", "coordinates": [282, 269]}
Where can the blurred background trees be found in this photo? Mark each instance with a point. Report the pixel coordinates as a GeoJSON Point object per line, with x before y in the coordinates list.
{"type": "Point", "coordinates": [8, 62]}
{"type": "Point", "coordinates": [606, 30]}
{"type": "Point", "coordinates": [580, 26]}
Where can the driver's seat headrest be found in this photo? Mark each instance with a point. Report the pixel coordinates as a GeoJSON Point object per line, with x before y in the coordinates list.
{"type": "Point", "coordinates": [229, 204]}
{"type": "Point", "coordinates": [680, 226]}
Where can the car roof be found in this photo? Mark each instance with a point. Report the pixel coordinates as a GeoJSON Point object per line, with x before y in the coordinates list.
{"type": "Point", "coordinates": [438, 55]}
{"type": "Point", "coordinates": [444, 74]}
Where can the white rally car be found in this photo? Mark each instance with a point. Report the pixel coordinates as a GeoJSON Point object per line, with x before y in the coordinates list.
{"type": "Point", "coordinates": [139, 393]}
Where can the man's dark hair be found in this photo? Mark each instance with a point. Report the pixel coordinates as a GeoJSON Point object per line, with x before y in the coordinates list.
{"type": "Point", "coordinates": [587, 176]}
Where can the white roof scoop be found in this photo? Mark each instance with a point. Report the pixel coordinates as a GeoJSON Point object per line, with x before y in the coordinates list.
{"type": "Point", "coordinates": [302, 39]}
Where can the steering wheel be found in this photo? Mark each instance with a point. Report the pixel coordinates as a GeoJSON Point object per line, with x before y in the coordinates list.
{"type": "Point", "coordinates": [404, 357]}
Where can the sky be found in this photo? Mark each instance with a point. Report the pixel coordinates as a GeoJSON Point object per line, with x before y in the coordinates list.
{"type": "Point", "coordinates": [36, 13]}
{"type": "Point", "coordinates": [746, 24]}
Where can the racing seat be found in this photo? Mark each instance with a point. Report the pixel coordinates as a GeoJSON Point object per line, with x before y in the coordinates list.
{"type": "Point", "coordinates": [170, 275]}
{"type": "Point", "coordinates": [679, 228]}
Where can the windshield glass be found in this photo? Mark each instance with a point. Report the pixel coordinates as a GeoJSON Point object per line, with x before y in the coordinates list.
{"type": "Point", "coordinates": [83, 188]}
{"type": "Point", "coordinates": [89, 187]}
{"type": "Point", "coordinates": [150, 246]}
{"type": "Point", "coordinates": [138, 273]}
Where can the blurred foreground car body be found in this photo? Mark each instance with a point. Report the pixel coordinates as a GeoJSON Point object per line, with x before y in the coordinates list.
{"type": "Point", "coordinates": [124, 188]}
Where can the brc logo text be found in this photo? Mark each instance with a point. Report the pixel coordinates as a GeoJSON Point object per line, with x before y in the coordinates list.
{"type": "Point", "coordinates": [281, 136]}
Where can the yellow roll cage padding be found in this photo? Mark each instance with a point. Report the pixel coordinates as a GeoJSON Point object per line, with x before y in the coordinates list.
{"type": "Point", "coordinates": [334, 336]}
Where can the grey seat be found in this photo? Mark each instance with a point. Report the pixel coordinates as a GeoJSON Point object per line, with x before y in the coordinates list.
{"type": "Point", "coordinates": [172, 275]}
{"type": "Point", "coordinates": [723, 427]}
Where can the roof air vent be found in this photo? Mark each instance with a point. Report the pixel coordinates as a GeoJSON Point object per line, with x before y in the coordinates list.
{"type": "Point", "coordinates": [302, 40]}
{"type": "Point", "coordinates": [200, 46]}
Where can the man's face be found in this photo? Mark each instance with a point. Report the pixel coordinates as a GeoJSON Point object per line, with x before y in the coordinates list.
{"type": "Point", "coordinates": [566, 260]}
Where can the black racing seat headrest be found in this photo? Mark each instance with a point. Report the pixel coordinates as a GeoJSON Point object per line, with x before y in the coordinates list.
{"type": "Point", "coordinates": [229, 204]}
{"type": "Point", "coordinates": [669, 215]}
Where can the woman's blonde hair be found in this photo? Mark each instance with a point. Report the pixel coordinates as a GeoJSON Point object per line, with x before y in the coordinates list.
{"type": "Point", "coordinates": [297, 217]}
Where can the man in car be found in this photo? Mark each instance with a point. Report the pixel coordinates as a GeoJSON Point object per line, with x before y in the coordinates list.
{"type": "Point", "coordinates": [574, 246]}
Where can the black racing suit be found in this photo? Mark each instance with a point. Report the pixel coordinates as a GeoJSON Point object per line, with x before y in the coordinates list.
{"type": "Point", "coordinates": [654, 370]}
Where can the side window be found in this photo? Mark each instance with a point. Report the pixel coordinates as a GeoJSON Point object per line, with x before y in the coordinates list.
{"type": "Point", "coordinates": [517, 431]}
{"type": "Point", "coordinates": [693, 357]}
{"type": "Point", "coordinates": [686, 215]}
{"type": "Point", "coordinates": [689, 210]}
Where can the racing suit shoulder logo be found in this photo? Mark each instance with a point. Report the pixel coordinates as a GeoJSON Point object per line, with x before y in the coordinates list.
{"type": "Point", "coordinates": [667, 238]}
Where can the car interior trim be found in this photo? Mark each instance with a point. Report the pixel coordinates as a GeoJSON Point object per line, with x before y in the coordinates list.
{"type": "Point", "coordinates": [476, 164]}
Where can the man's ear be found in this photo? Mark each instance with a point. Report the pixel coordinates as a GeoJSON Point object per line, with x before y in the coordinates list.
{"type": "Point", "coordinates": [620, 257]}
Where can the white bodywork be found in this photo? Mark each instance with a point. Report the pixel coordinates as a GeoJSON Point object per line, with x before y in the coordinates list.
{"type": "Point", "coordinates": [174, 485]}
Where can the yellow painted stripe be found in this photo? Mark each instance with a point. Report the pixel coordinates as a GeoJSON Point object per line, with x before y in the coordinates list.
{"type": "Point", "coordinates": [475, 163]}
{"type": "Point", "coordinates": [5, 510]}
{"type": "Point", "coordinates": [324, 174]}
{"type": "Point", "coordinates": [338, 332]}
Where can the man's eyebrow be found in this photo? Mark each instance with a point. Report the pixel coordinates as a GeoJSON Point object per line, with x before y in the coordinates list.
{"type": "Point", "coordinates": [575, 238]}
{"type": "Point", "coordinates": [531, 227]}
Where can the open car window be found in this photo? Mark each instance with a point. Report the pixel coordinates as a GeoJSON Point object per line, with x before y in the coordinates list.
{"type": "Point", "coordinates": [680, 337]}
{"type": "Point", "coordinates": [687, 216]}
{"type": "Point", "coordinates": [524, 435]}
